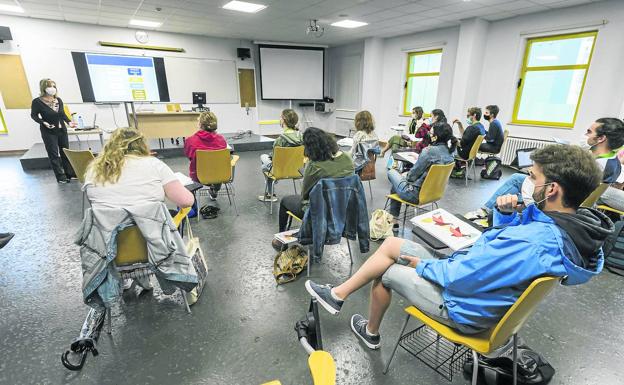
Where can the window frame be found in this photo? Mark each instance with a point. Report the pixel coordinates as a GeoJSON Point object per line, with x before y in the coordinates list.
{"type": "Point", "coordinates": [524, 69]}
{"type": "Point", "coordinates": [409, 75]}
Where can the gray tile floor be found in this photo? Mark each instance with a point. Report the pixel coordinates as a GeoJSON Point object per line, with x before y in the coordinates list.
{"type": "Point", "coordinates": [241, 331]}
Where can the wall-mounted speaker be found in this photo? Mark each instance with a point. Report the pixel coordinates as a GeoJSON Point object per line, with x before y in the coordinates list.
{"type": "Point", "coordinates": [243, 53]}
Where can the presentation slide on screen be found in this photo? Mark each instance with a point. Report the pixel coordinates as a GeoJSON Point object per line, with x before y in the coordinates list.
{"type": "Point", "coordinates": [123, 78]}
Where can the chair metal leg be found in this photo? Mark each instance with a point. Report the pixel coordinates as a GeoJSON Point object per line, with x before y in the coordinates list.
{"type": "Point", "coordinates": [474, 170]}
{"type": "Point", "coordinates": [232, 198]}
{"type": "Point", "coordinates": [227, 190]}
{"type": "Point", "coordinates": [271, 197]}
{"type": "Point", "coordinates": [349, 247]}
{"type": "Point", "coordinates": [370, 188]}
{"type": "Point", "coordinates": [83, 203]}
{"type": "Point", "coordinates": [188, 309]}
{"type": "Point", "coordinates": [515, 359]}
{"type": "Point", "coordinates": [295, 186]}
{"type": "Point", "coordinates": [197, 203]}
{"type": "Point", "coordinates": [396, 345]}
{"type": "Point", "coordinates": [109, 324]}
{"type": "Point", "coordinates": [309, 262]}
{"type": "Point", "coordinates": [405, 216]}
{"type": "Point", "coordinates": [466, 174]}
{"type": "Point", "coordinates": [475, 367]}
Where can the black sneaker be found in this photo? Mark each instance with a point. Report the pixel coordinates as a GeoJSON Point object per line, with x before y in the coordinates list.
{"type": "Point", "coordinates": [322, 293]}
{"type": "Point", "coordinates": [358, 325]}
{"type": "Point", "coordinates": [5, 238]}
{"type": "Point", "coordinates": [395, 229]}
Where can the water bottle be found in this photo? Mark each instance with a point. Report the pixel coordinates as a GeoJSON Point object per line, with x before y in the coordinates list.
{"type": "Point", "coordinates": [80, 122]}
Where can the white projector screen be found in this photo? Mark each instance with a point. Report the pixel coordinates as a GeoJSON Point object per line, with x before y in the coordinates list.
{"type": "Point", "coordinates": [292, 73]}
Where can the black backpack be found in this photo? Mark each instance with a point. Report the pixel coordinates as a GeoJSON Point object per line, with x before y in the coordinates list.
{"type": "Point", "coordinates": [492, 168]}
{"type": "Point", "coordinates": [532, 368]}
{"type": "Point", "coordinates": [613, 249]}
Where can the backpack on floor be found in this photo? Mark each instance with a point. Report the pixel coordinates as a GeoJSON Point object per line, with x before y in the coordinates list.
{"type": "Point", "coordinates": [289, 263]}
{"type": "Point", "coordinates": [532, 368]}
{"type": "Point", "coordinates": [492, 168]}
{"type": "Point", "coordinates": [613, 249]}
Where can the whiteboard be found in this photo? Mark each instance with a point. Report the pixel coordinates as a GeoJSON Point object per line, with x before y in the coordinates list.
{"type": "Point", "coordinates": [218, 78]}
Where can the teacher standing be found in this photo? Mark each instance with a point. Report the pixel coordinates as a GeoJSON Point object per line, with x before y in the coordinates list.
{"type": "Point", "coordinates": [48, 111]}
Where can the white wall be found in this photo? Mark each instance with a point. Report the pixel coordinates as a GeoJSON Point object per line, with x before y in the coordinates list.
{"type": "Point", "coordinates": [39, 42]}
{"type": "Point", "coordinates": [346, 63]}
{"type": "Point", "coordinates": [603, 94]}
{"type": "Point", "coordinates": [393, 72]}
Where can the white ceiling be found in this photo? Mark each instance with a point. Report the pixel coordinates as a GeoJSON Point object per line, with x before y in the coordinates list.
{"type": "Point", "coordinates": [286, 20]}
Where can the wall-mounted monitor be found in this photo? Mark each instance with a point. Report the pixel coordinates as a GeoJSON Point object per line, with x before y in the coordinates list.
{"type": "Point", "coordinates": [120, 78]}
{"type": "Point", "coordinates": [292, 72]}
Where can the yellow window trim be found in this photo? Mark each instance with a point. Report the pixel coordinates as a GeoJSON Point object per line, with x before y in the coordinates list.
{"type": "Point", "coordinates": [525, 69]}
{"type": "Point", "coordinates": [409, 74]}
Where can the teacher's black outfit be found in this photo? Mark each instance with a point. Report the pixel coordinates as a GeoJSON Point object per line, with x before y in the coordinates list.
{"type": "Point", "coordinates": [54, 138]}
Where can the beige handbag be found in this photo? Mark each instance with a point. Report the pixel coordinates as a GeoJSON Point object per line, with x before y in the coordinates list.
{"type": "Point", "coordinates": [380, 225]}
{"type": "Point", "coordinates": [193, 248]}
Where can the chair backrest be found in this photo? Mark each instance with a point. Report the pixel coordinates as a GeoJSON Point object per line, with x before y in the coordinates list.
{"type": "Point", "coordinates": [79, 160]}
{"type": "Point", "coordinates": [591, 200]}
{"type": "Point", "coordinates": [287, 161]}
{"type": "Point", "coordinates": [434, 185]}
{"type": "Point", "coordinates": [213, 166]}
{"type": "Point", "coordinates": [475, 147]}
{"type": "Point", "coordinates": [131, 247]}
{"type": "Point", "coordinates": [517, 315]}
{"type": "Point", "coordinates": [369, 172]}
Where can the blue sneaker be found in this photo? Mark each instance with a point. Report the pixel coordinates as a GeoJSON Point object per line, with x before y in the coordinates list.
{"type": "Point", "coordinates": [358, 325]}
{"type": "Point", "coordinates": [322, 293]}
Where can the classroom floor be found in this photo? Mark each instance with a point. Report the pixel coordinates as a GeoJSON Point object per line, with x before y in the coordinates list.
{"type": "Point", "coordinates": [241, 330]}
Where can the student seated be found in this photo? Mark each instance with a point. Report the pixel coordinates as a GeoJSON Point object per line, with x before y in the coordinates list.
{"type": "Point", "coordinates": [364, 129]}
{"type": "Point", "coordinates": [418, 127]}
{"type": "Point", "coordinates": [470, 133]}
{"type": "Point", "coordinates": [602, 139]}
{"type": "Point", "coordinates": [125, 175]}
{"type": "Point", "coordinates": [325, 161]}
{"type": "Point", "coordinates": [441, 151]}
{"type": "Point", "coordinates": [291, 137]}
{"type": "Point", "coordinates": [206, 138]}
{"type": "Point", "coordinates": [472, 289]}
{"type": "Point", "coordinates": [495, 135]}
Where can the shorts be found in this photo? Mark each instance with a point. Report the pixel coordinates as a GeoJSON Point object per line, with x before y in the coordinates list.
{"type": "Point", "coordinates": [423, 294]}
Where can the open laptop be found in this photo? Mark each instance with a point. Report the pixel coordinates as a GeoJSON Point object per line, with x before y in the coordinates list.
{"type": "Point", "coordinates": [86, 128]}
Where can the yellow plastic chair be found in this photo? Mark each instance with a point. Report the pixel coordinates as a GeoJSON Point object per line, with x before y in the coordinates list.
{"type": "Point", "coordinates": [174, 107]}
{"type": "Point", "coordinates": [488, 341]}
{"type": "Point", "coordinates": [79, 160]}
{"type": "Point", "coordinates": [217, 167]}
{"type": "Point", "coordinates": [609, 209]}
{"type": "Point", "coordinates": [505, 135]}
{"type": "Point", "coordinates": [471, 157]}
{"type": "Point", "coordinates": [431, 191]}
{"type": "Point", "coordinates": [322, 369]}
{"type": "Point", "coordinates": [591, 200]}
{"type": "Point", "coordinates": [287, 161]}
{"type": "Point", "coordinates": [132, 256]}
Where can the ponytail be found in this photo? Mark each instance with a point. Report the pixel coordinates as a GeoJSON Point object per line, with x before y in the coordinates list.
{"type": "Point", "coordinates": [452, 144]}
{"type": "Point", "coordinates": [444, 134]}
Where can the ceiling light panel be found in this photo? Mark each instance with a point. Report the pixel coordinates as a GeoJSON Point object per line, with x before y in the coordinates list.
{"type": "Point", "coordinates": [243, 6]}
{"type": "Point", "coordinates": [349, 24]}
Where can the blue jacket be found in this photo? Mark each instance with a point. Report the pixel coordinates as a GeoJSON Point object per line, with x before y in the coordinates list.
{"type": "Point", "coordinates": [337, 209]}
{"type": "Point", "coordinates": [480, 284]}
{"type": "Point", "coordinates": [437, 153]}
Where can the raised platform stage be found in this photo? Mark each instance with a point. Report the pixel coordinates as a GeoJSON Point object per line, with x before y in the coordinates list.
{"type": "Point", "coordinates": [37, 158]}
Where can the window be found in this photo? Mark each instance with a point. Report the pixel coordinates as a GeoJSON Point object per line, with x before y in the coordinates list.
{"type": "Point", "coordinates": [552, 79]}
{"type": "Point", "coordinates": [421, 82]}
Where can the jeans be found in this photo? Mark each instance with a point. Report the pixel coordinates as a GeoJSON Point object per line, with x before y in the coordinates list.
{"type": "Point", "coordinates": [405, 190]}
{"type": "Point", "coordinates": [267, 164]}
{"type": "Point", "coordinates": [290, 203]}
{"type": "Point", "coordinates": [513, 185]}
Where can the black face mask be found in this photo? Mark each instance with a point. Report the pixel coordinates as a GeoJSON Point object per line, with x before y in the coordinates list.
{"type": "Point", "coordinates": [487, 117]}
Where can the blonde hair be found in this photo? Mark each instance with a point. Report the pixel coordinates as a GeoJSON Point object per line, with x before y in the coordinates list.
{"type": "Point", "coordinates": [44, 83]}
{"type": "Point", "coordinates": [290, 118]}
{"type": "Point", "coordinates": [364, 122]}
{"type": "Point", "coordinates": [208, 121]}
{"type": "Point", "coordinates": [109, 163]}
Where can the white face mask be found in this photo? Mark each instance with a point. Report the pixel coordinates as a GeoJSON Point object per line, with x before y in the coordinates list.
{"type": "Point", "coordinates": [50, 91]}
{"type": "Point", "coordinates": [528, 189]}
{"type": "Point", "coordinates": [468, 121]}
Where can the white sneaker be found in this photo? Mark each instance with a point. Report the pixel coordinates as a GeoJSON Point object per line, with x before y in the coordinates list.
{"type": "Point", "coordinates": [267, 198]}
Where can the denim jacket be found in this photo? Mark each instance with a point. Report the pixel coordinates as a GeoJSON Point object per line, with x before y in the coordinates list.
{"type": "Point", "coordinates": [360, 155]}
{"type": "Point", "coordinates": [337, 209]}
{"type": "Point", "coordinates": [437, 153]}
{"type": "Point", "coordinates": [97, 239]}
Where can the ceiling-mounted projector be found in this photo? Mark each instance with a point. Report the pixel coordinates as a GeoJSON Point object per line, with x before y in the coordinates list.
{"type": "Point", "coordinates": [314, 29]}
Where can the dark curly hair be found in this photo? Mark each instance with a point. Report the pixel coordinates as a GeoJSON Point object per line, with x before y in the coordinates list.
{"type": "Point", "coordinates": [444, 134]}
{"type": "Point", "coordinates": [573, 168]}
{"type": "Point", "coordinates": [613, 129]}
{"type": "Point", "coordinates": [318, 145]}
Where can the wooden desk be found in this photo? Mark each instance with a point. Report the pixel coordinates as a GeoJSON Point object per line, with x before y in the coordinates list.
{"type": "Point", "coordinates": [165, 124]}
